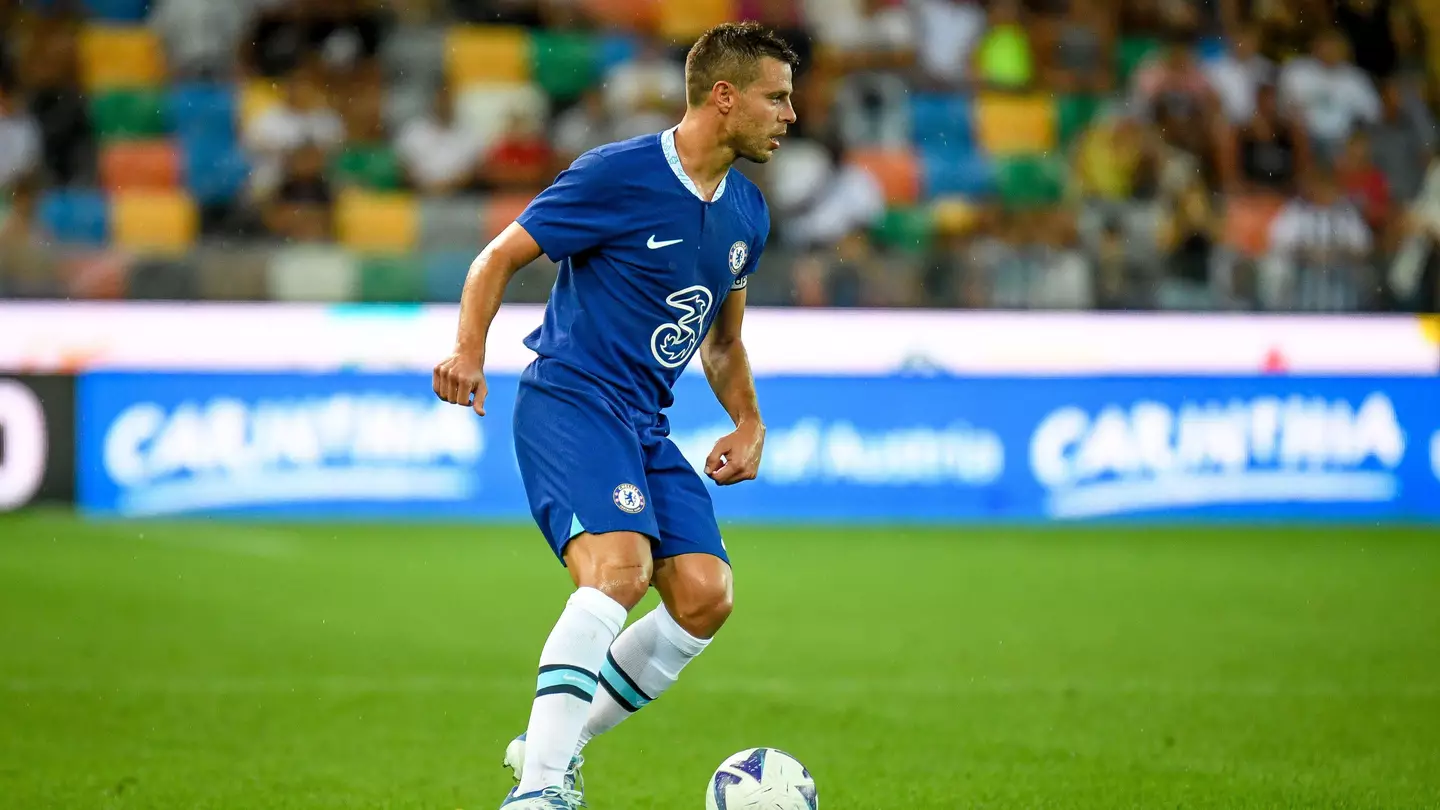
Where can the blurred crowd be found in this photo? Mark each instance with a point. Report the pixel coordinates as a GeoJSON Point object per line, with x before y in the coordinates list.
{"type": "Point", "coordinates": [1256, 155]}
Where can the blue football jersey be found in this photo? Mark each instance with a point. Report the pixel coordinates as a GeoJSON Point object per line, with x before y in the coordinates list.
{"type": "Point", "coordinates": [644, 265]}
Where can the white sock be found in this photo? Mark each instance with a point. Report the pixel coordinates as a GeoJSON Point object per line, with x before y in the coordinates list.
{"type": "Point", "coordinates": [642, 663]}
{"type": "Point", "coordinates": [568, 667]}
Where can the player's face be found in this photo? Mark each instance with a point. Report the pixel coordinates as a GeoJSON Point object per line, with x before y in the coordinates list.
{"type": "Point", "coordinates": [763, 113]}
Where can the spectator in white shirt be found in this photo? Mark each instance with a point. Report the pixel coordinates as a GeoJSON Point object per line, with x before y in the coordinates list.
{"type": "Point", "coordinates": [303, 118]}
{"type": "Point", "coordinates": [20, 143]}
{"type": "Point", "coordinates": [1238, 75]}
{"type": "Point", "coordinates": [948, 31]}
{"type": "Point", "coordinates": [1331, 93]}
{"type": "Point", "coordinates": [1318, 251]}
{"type": "Point", "coordinates": [439, 156]}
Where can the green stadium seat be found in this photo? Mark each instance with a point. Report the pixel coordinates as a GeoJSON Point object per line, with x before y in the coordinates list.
{"type": "Point", "coordinates": [1129, 53]}
{"type": "Point", "coordinates": [1031, 181]}
{"type": "Point", "coordinates": [907, 229]}
{"type": "Point", "coordinates": [371, 166]}
{"type": "Point", "coordinates": [398, 278]}
{"type": "Point", "coordinates": [129, 114]}
{"type": "Point", "coordinates": [1074, 113]}
{"type": "Point", "coordinates": [564, 64]}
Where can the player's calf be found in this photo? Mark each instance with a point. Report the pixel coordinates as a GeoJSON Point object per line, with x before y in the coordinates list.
{"type": "Point", "coordinates": [612, 573]}
{"type": "Point", "coordinates": [647, 658]}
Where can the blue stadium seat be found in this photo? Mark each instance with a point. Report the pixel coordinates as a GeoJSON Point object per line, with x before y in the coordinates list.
{"type": "Point", "coordinates": [120, 11]}
{"type": "Point", "coordinates": [941, 120]}
{"type": "Point", "coordinates": [203, 110]}
{"type": "Point", "coordinates": [616, 49]}
{"type": "Point", "coordinates": [215, 168]}
{"type": "Point", "coordinates": [76, 216]}
{"type": "Point", "coordinates": [445, 274]}
{"type": "Point", "coordinates": [962, 172]}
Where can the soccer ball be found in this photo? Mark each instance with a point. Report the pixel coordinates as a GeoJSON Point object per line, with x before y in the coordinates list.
{"type": "Point", "coordinates": [761, 779]}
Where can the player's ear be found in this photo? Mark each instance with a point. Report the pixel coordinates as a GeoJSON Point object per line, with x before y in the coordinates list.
{"type": "Point", "coordinates": [724, 95]}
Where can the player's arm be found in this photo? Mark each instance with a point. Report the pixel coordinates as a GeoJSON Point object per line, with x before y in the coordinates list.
{"type": "Point", "coordinates": [461, 374]}
{"type": "Point", "coordinates": [736, 457]}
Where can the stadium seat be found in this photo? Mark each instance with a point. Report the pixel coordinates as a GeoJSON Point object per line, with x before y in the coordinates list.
{"type": "Point", "coordinates": [486, 53]}
{"type": "Point", "coordinates": [169, 278]}
{"type": "Point", "coordinates": [485, 109]}
{"type": "Point", "coordinates": [684, 21]}
{"type": "Point", "coordinates": [413, 53]}
{"type": "Point", "coordinates": [1030, 181]}
{"type": "Point", "coordinates": [391, 279]}
{"type": "Point", "coordinates": [941, 120]}
{"type": "Point", "coordinates": [75, 216]}
{"type": "Point", "coordinates": [154, 221]}
{"type": "Point", "coordinates": [120, 56]}
{"type": "Point", "coordinates": [450, 222]}
{"type": "Point", "coordinates": [1008, 125]}
{"type": "Point", "coordinates": [129, 114]}
{"type": "Point", "coordinates": [142, 165]}
{"type": "Point", "coordinates": [1130, 52]}
{"type": "Point", "coordinates": [1073, 113]}
{"type": "Point", "coordinates": [256, 97]}
{"type": "Point", "coordinates": [1247, 220]}
{"type": "Point", "coordinates": [564, 64]}
{"type": "Point", "coordinates": [897, 171]}
{"type": "Point", "coordinates": [117, 11]}
{"type": "Point", "coordinates": [908, 229]}
{"type": "Point", "coordinates": [616, 49]}
{"type": "Point", "coordinates": [625, 15]}
{"type": "Point", "coordinates": [377, 223]}
{"type": "Point", "coordinates": [445, 273]}
{"type": "Point", "coordinates": [232, 272]}
{"type": "Point", "coordinates": [957, 172]}
{"type": "Point", "coordinates": [312, 273]}
{"type": "Point", "coordinates": [216, 170]}
{"type": "Point", "coordinates": [208, 110]}
{"type": "Point", "coordinates": [499, 211]}
{"type": "Point", "coordinates": [406, 100]}
{"type": "Point", "coordinates": [372, 166]}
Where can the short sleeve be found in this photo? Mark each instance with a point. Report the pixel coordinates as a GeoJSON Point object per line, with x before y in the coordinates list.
{"type": "Point", "coordinates": [576, 213]}
{"type": "Point", "coordinates": [752, 262]}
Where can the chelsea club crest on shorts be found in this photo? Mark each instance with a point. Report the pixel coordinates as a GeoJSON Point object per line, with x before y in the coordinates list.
{"type": "Point", "coordinates": [629, 498]}
{"type": "Point", "coordinates": [738, 252]}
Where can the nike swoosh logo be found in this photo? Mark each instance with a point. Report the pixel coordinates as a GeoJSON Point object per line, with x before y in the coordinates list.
{"type": "Point", "coordinates": [652, 244]}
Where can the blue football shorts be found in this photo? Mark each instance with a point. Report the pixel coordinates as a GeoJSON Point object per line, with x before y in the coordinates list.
{"type": "Point", "coordinates": [586, 467]}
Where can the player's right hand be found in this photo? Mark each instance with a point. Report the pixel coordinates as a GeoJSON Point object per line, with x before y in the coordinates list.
{"type": "Point", "coordinates": [459, 376]}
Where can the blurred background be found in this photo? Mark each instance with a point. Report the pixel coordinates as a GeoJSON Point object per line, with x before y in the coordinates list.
{"type": "Point", "coordinates": [1096, 343]}
{"type": "Point", "coordinates": [1019, 154]}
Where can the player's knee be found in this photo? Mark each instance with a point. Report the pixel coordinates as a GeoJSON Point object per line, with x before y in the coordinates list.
{"type": "Point", "coordinates": [626, 583]}
{"type": "Point", "coordinates": [617, 564]}
{"type": "Point", "coordinates": [704, 610]}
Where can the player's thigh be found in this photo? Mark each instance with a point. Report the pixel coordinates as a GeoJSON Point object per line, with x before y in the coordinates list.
{"type": "Point", "coordinates": [582, 466]}
{"type": "Point", "coordinates": [616, 563]}
{"type": "Point", "coordinates": [684, 512]}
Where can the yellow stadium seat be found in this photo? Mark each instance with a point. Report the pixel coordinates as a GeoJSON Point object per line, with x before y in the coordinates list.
{"type": "Point", "coordinates": [120, 56]}
{"type": "Point", "coordinates": [154, 221]}
{"type": "Point", "coordinates": [377, 222]}
{"type": "Point", "coordinates": [486, 53]}
{"type": "Point", "coordinates": [689, 19]}
{"type": "Point", "coordinates": [1010, 125]}
{"type": "Point", "coordinates": [257, 96]}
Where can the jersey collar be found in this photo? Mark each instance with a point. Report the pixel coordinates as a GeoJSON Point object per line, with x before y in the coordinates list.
{"type": "Point", "coordinates": [667, 143]}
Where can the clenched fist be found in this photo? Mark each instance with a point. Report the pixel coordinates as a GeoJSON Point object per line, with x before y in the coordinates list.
{"type": "Point", "coordinates": [459, 376]}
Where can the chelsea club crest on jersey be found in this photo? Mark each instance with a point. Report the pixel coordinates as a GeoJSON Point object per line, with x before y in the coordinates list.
{"type": "Point", "coordinates": [738, 252]}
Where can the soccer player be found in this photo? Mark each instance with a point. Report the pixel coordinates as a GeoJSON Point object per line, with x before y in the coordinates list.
{"type": "Point", "coordinates": [655, 238]}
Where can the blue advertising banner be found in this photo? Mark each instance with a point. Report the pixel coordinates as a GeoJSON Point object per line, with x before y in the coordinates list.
{"type": "Point", "coordinates": [838, 449]}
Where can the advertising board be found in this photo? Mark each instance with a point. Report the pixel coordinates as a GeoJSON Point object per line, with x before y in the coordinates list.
{"type": "Point", "coordinates": [919, 448]}
{"type": "Point", "coordinates": [37, 440]}
{"type": "Point", "coordinates": [76, 336]}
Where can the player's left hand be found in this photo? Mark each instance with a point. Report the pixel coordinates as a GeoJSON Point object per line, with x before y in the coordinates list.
{"type": "Point", "coordinates": [736, 456]}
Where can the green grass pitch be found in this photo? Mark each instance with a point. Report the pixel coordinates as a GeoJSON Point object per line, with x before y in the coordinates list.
{"type": "Point", "coordinates": [257, 666]}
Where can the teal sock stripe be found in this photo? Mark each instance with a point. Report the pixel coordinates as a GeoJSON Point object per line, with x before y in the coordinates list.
{"type": "Point", "coordinates": [620, 687]}
{"type": "Point", "coordinates": [563, 679]}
